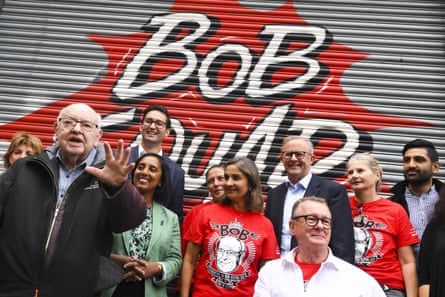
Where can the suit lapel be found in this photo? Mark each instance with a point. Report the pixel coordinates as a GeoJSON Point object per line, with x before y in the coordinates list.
{"type": "Point", "coordinates": [134, 154]}
{"type": "Point", "coordinates": [158, 222]}
{"type": "Point", "coordinates": [313, 187]}
{"type": "Point", "coordinates": [282, 191]}
{"type": "Point", "coordinates": [280, 198]}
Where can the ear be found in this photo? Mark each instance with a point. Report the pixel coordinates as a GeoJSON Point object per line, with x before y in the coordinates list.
{"type": "Point", "coordinates": [99, 136]}
{"type": "Point", "coordinates": [379, 176]}
{"type": "Point", "coordinates": [55, 131]}
{"type": "Point", "coordinates": [435, 167]}
{"type": "Point", "coordinates": [312, 159]}
{"type": "Point", "coordinates": [292, 227]}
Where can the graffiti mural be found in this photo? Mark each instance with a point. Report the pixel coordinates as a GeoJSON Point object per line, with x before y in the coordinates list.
{"type": "Point", "coordinates": [236, 82]}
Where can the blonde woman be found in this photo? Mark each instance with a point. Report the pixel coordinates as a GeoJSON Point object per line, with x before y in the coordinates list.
{"type": "Point", "coordinates": [22, 144]}
{"type": "Point", "coordinates": [383, 232]}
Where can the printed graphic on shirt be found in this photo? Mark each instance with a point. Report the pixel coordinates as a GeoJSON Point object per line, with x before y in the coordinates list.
{"type": "Point", "coordinates": [368, 242]}
{"type": "Point", "coordinates": [231, 250]}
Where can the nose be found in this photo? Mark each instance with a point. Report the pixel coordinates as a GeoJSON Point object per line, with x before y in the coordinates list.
{"type": "Point", "coordinates": [293, 156]}
{"type": "Point", "coordinates": [144, 171]}
{"type": "Point", "coordinates": [77, 126]}
{"type": "Point", "coordinates": [152, 124]}
{"type": "Point", "coordinates": [411, 163]}
{"type": "Point", "coordinates": [319, 224]}
{"type": "Point", "coordinates": [227, 182]}
{"type": "Point", "coordinates": [351, 176]}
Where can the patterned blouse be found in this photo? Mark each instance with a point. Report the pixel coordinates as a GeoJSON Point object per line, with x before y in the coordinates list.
{"type": "Point", "coordinates": [141, 235]}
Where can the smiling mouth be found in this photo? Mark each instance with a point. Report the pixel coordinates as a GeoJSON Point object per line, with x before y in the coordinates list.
{"type": "Point", "coordinates": [142, 180]}
{"type": "Point", "coordinates": [151, 132]}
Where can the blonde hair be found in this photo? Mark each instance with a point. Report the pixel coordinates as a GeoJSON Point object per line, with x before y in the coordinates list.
{"type": "Point", "coordinates": [308, 198]}
{"type": "Point", "coordinates": [372, 163]}
{"type": "Point", "coordinates": [19, 139]}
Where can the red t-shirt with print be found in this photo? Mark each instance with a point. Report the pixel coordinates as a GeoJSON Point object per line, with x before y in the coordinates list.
{"type": "Point", "coordinates": [233, 243]}
{"type": "Point", "coordinates": [380, 228]}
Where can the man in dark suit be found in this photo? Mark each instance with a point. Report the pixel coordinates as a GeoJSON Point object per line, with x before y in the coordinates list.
{"type": "Point", "coordinates": [155, 127]}
{"type": "Point", "coordinates": [297, 155]}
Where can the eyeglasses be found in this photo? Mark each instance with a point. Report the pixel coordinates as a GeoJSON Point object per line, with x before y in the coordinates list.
{"type": "Point", "coordinates": [312, 221]}
{"type": "Point", "coordinates": [228, 252]}
{"type": "Point", "coordinates": [69, 123]}
{"type": "Point", "coordinates": [298, 155]}
{"type": "Point", "coordinates": [158, 123]}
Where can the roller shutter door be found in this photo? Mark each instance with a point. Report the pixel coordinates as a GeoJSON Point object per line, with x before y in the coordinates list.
{"type": "Point", "coordinates": [237, 76]}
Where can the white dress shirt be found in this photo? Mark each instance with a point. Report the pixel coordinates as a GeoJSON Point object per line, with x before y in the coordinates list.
{"type": "Point", "coordinates": [284, 278]}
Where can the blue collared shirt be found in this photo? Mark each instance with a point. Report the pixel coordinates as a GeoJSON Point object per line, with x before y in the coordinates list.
{"type": "Point", "coordinates": [66, 177]}
{"type": "Point", "coordinates": [294, 193]}
{"type": "Point", "coordinates": [420, 210]}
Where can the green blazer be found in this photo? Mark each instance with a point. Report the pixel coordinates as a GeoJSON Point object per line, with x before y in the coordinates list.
{"type": "Point", "coordinates": [164, 247]}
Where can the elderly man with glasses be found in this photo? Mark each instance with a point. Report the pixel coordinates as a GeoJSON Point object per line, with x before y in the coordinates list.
{"type": "Point", "coordinates": [58, 210]}
{"type": "Point", "coordinates": [311, 269]}
{"type": "Point", "coordinates": [297, 155]}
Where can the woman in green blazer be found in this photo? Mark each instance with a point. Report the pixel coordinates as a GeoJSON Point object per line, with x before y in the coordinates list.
{"type": "Point", "coordinates": [150, 254]}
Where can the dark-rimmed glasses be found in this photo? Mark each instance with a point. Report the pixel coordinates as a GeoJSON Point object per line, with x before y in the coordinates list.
{"type": "Point", "coordinates": [298, 155]}
{"type": "Point", "coordinates": [69, 123]}
{"type": "Point", "coordinates": [312, 221]}
{"type": "Point", "coordinates": [158, 123]}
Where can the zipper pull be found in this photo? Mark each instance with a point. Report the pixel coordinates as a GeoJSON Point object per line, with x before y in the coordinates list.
{"type": "Point", "coordinates": [36, 292]}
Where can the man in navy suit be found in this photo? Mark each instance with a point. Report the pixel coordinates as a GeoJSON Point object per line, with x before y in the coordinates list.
{"type": "Point", "coordinates": [155, 127]}
{"type": "Point", "coordinates": [297, 155]}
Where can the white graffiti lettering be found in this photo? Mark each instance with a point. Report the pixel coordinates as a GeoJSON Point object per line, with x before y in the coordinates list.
{"type": "Point", "coordinates": [162, 46]}
{"type": "Point", "coordinates": [271, 58]}
{"type": "Point", "coordinates": [260, 142]}
{"type": "Point", "coordinates": [126, 87]}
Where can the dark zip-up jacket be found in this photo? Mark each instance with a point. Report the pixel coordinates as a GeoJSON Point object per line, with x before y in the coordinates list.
{"type": "Point", "coordinates": [399, 192]}
{"type": "Point", "coordinates": [28, 195]}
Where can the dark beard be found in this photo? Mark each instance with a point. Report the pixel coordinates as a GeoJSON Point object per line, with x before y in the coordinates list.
{"type": "Point", "coordinates": [421, 179]}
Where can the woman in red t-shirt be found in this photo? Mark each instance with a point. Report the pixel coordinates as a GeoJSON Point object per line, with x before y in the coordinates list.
{"type": "Point", "coordinates": [229, 241]}
{"type": "Point", "coordinates": [383, 232]}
